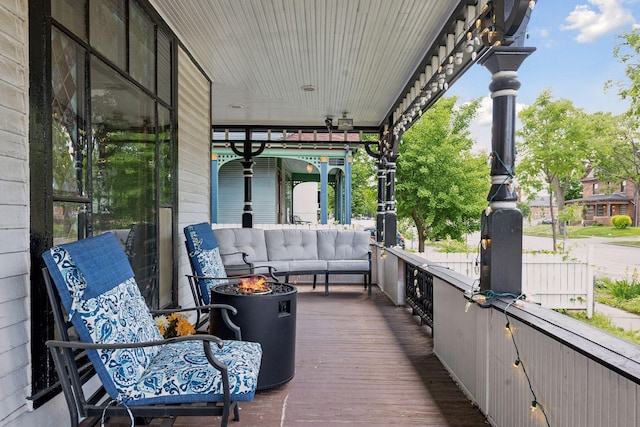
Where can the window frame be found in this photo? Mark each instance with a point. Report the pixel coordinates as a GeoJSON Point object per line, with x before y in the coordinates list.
{"type": "Point", "coordinates": [42, 198]}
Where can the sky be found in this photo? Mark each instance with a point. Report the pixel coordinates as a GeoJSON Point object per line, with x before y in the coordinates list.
{"type": "Point", "coordinates": [574, 41]}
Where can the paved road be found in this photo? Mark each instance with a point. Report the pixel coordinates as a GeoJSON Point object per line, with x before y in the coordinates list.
{"type": "Point", "coordinates": [609, 260]}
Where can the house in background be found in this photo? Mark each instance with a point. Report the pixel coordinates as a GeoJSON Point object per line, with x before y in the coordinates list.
{"type": "Point", "coordinates": [540, 209]}
{"type": "Point", "coordinates": [603, 200]}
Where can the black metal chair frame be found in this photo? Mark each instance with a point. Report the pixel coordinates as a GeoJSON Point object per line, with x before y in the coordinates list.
{"type": "Point", "coordinates": [202, 313]}
{"type": "Point", "coordinates": [66, 353]}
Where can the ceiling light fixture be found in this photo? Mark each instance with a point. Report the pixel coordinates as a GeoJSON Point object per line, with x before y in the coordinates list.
{"type": "Point", "coordinates": [344, 123]}
{"type": "Point", "coordinates": [308, 88]}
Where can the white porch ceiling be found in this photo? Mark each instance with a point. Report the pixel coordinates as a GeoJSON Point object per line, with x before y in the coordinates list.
{"type": "Point", "coordinates": [358, 54]}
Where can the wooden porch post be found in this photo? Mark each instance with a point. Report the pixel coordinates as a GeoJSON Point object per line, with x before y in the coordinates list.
{"type": "Point", "coordinates": [390, 216]}
{"type": "Point", "coordinates": [379, 155]}
{"type": "Point", "coordinates": [501, 229]}
{"type": "Point", "coordinates": [324, 184]}
{"type": "Point", "coordinates": [247, 153]}
{"type": "Point", "coordinates": [214, 188]}
{"type": "Point", "coordinates": [348, 186]}
{"type": "Point", "coordinates": [382, 183]}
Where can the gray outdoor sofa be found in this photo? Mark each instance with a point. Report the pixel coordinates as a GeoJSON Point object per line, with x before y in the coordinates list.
{"type": "Point", "coordinates": [291, 252]}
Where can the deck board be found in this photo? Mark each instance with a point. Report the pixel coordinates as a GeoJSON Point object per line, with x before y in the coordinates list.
{"type": "Point", "coordinates": [360, 361]}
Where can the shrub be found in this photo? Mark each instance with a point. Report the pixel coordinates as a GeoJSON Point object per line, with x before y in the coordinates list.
{"type": "Point", "coordinates": [621, 221]}
{"type": "Point", "coordinates": [624, 289]}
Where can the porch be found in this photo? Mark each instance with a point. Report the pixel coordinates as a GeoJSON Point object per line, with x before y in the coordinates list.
{"type": "Point", "coordinates": [360, 361]}
{"type": "Point", "coordinates": [367, 361]}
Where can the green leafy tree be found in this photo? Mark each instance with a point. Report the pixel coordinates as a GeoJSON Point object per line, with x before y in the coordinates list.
{"type": "Point", "coordinates": [525, 209]}
{"type": "Point", "coordinates": [553, 148]}
{"type": "Point", "coordinates": [574, 189]}
{"type": "Point", "coordinates": [618, 155]}
{"type": "Point", "coordinates": [442, 186]}
{"type": "Point", "coordinates": [619, 159]}
{"type": "Point", "coordinates": [364, 185]}
{"type": "Point", "coordinates": [628, 53]}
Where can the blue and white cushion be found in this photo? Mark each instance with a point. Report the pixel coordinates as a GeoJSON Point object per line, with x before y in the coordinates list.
{"type": "Point", "coordinates": [116, 313]}
{"type": "Point", "coordinates": [205, 254]}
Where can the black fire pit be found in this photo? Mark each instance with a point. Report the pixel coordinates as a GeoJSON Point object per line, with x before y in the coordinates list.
{"type": "Point", "coordinates": [265, 317]}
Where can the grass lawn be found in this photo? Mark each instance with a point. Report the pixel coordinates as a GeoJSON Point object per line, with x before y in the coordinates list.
{"type": "Point", "coordinates": [576, 232]}
{"type": "Point", "coordinates": [630, 305]}
{"type": "Point", "coordinates": [600, 321]}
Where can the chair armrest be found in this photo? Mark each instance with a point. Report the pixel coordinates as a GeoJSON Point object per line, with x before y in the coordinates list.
{"type": "Point", "coordinates": [230, 255]}
{"type": "Point", "coordinates": [214, 361]}
{"type": "Point", "coordinates": [232, 309]}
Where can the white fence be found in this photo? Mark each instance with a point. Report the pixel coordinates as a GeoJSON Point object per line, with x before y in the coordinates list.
{"type": "Point", "coordinates": [553, 280]}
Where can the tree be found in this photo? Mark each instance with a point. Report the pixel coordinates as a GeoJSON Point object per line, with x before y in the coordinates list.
{"type": "Point", "coordinates": [619, 160]}
{"type": "Point", "coordinates": [553, 148]}
{"type": "Point", "coordinates": [442, 186]}
{"type": "Point", "coordinates": [627, 52]}
{"type": "Point", "coordinates": [363, 184]}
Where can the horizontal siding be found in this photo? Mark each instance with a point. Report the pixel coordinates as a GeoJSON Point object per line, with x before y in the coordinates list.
{"type": "Point", "coordinates": [15, 370]}
{"type": "Point", "coordinates": [194, 164]}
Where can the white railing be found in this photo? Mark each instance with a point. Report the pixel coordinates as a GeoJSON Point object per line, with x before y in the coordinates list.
{"type": "Point", "coordinates": [554, 280]}
{"type": "Point", "coordinates": [577, 375]}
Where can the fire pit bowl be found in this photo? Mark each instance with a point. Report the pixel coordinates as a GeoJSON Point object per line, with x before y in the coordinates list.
{"type": "Point", "coordinates": [267, 317]}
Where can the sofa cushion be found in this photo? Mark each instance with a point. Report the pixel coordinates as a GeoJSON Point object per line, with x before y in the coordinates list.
{"type": "Point", "coordinates": [248, 240]}
{"type": "Point", "coordinates": [291, 245]}
{"type": "Point", "coordinates": [343, 245]}
{"type": "Point", "coordinates": [308, 265]}
{"type": "Point", "coordinates": [347, 265]}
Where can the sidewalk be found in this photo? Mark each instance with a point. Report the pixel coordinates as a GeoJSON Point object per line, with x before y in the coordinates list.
{"type": "Point", "coordinates": [620, 318]}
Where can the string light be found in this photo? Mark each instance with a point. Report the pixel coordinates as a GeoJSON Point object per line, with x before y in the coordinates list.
{"type": "Point", "coordinates": [474, 296]}
{"type": "Point", "coordinates": [518, 363]}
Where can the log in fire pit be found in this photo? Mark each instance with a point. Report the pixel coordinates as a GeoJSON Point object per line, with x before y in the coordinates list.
{"type": "Point", "coordinates": [266, 314]}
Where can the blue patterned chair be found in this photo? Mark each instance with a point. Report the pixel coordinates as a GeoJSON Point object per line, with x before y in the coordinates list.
{"type": "Point", "coordinates": [207, 266]}
{"type": "Point", "coordinates": [142, 374]}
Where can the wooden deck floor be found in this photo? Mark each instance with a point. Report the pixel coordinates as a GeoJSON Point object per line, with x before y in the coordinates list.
{"type": "Point", "coordinates": [360, 361]}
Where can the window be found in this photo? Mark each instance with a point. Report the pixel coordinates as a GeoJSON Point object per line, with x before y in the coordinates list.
{"type": "Point", "coordinates": [623, 209]}
{"type": "Point", "coordinates": [595, 188]}
{"type": "Point", "coordinates": [107, 147]}
{"type": "Point", "coordinates": [600, 209]}
{"type": "Point", "coordinates": [623, 187]}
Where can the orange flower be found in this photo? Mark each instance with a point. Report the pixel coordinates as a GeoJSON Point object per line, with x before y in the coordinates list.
{"type": "Point", "coordinates": [174, 325]}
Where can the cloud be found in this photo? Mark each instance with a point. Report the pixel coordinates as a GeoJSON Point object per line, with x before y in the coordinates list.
{"type": "Point", "coordinates": [607, 17]}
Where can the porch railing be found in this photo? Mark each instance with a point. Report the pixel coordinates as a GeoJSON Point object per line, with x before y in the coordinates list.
{"type": "Point", "coordinates": [513, 356]}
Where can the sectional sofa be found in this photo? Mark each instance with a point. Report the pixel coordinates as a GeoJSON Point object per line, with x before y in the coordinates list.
{"type": "Point", "coordinates": [291, 252]}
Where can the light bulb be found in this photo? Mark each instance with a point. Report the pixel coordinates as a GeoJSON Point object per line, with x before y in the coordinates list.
{"type": "Point", "coordinates": [469, 46]}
